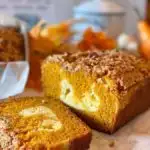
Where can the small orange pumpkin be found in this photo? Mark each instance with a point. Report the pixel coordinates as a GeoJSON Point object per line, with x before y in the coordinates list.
{"type": "Point", "coordinates": [144, 35]}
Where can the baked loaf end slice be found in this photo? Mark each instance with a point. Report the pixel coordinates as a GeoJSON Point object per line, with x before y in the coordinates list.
{"type": "Point", "coordinates": [107, 89]}
{"type": "Point", "coordinates": [41, 124]}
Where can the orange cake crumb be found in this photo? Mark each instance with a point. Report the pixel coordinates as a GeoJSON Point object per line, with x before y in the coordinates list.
{"type": "Point", "coordinates": [41, 124]}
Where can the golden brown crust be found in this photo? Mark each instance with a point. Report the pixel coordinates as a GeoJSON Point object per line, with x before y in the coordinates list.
{"type": "Point", "coordinates": [77, 144]}
{"type": "Point", "coordinates": [139, 102]}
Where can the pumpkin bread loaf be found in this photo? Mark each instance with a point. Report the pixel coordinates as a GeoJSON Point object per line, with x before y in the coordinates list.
{"type": "Point", "coordinates": [40, 124]}
{"type": "Point", "coordinates": [12, 46]}
{"type": "Point", "coordinates": [106, 89]}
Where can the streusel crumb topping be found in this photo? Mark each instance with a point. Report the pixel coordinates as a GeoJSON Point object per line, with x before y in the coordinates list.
{"type": "Point", "coordinates": [126, 69]}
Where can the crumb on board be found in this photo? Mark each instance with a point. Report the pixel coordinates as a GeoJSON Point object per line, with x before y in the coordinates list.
{"type": "Point", "coordinates": [111, 143]}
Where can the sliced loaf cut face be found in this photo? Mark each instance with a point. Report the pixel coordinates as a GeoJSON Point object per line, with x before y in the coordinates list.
{"type": "Point", "coordinates": [107, 89]}
{"type": "Point", "coordinates": [40, 123]}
